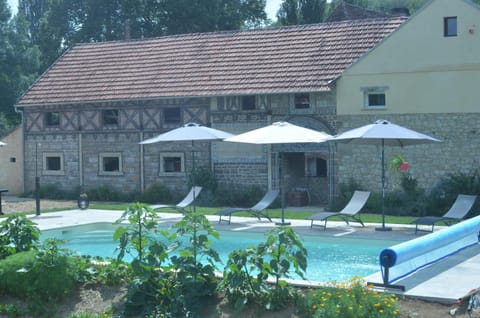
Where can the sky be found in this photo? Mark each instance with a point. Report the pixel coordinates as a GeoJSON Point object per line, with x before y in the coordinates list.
{"type": "Point", "coordinates": [271, 8]}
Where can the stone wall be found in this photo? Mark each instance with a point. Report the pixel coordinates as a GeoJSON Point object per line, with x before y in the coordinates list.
{"type": "Point", "coordinates": [81, 138]}
{"type": "Point", "coordinates": [458, 151]}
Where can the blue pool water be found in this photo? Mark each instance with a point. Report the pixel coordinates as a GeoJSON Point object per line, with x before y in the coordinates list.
{"type": "Point", "coordinates": [330, 259]}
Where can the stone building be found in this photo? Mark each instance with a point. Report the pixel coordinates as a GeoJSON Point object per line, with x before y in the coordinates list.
{"type": "Point", "coordinates": [84, 118]}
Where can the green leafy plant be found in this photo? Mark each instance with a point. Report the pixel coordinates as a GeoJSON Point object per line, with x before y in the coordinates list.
{"type": "Point", "coordinates": [246, 273]}
{"type": "Point", "coordinates": [193, 270]}
{"type": "Point", "coordinates": [10, 310]}
{"type": "Point", "coordinates": [395, 163]}
{"type": "Point", "coordinates": [204, 177]}
{"type": "Point", "coordinates": [17, 234]}
{"type": "Point", "coordinates": [157, 193]}
{"type": "Point", "coordinates": [352, 299]}
{"type": "Point", "coordinates": [42, 275]}
{"type": "Point", "coordinates": [139, 240]}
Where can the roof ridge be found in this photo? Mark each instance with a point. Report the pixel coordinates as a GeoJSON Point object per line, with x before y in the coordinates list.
{"type": "Point", "coordinates": [246, 31]}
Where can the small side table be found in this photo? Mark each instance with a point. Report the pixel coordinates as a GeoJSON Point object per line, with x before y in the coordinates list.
{"type": "Point", "coordinates": [2, 191]}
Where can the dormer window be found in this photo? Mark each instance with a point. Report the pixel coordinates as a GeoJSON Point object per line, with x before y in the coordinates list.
{"type": "Point", "coordinates": [450, 26]}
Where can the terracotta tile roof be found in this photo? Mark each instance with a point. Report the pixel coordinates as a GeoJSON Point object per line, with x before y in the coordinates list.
{"type": "Point", "coordinates": [291, 59]}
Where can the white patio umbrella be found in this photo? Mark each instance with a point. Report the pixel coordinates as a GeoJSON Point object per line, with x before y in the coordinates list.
{"type": "Point", "coordinates": [190, 132]}
{"type": "Point", "coordinates": [2, 144]}
{"type": "Point", "coordinates": [280, 133]}
{"type": "Point", "coordinates": [384, 133]}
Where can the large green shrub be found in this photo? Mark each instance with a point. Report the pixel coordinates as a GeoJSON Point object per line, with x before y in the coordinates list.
{"type": "Point", "coordinates": [157, 193]}
{"type": "Point", "coordinates": [192, 282]}
{"type": "Point", "coordinates": [43, 275]}
{"type": "Point", "coordinates": [204, 177]}
{"type": "Point", "coordinates": [138, 238]}
{"type": "Point", "coordinates": [106, 193]}
{"type": "Point", "coordinates": [245, 276]}
{"type": "Point", "coordinates": [444, 193]}
{"type": "Point", "coordinates": [17, 234]}
{"type": "Point", "coordinates": [241, 196]}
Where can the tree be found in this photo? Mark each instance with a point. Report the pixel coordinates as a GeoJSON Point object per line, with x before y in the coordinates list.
{"type": "Point", "coordinates": [18, 63]}
{"type": "Point", "coordinates": [312, 11]}
{"type": "Point", "coordinates": [294, 12]}
{"type": "Point", "coordinates": [187, 16]}
{"type": "Point", "coordinates": [33, 10]}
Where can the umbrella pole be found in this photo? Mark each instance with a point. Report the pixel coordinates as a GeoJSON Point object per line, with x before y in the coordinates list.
{"type": "Point", "coordinates": [193, 177]}
{"type": "Point", "coordinates": [280, 186]}
{"type": "Point", "coordinates": [383, 228]}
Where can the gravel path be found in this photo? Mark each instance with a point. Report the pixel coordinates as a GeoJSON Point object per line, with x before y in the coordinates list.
{"type": "Point", "coordinates": [16, 205]}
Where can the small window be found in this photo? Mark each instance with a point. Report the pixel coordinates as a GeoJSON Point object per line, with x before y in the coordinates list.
{"type": "Point", "coordinates": [450, 26]}
{"type": "Point", "coordinates": [13, 159]}
{"type": "Point", "coordinates": [53, 163]}
{"type": "Point", "coordinates": [52, 119]}
{"type": "Point", "coordinates": [376, 100]}
{"type": "Point", "coordinates": [172, 115]}
{"type": "Point", "coordinates": [110, 117]}
{"type": "Point", "coordinates": [375, 97]}
{"type": "Point", "coordinates": [110, 164]}
{"type": "Point", "coordinates": [302, 101]}
{"type": "Point", "coordinates": [172, 164]}
{"type": "Point", "coordinates": [248, 102]}
{"type": "Point", "coordinates": [316, 167]}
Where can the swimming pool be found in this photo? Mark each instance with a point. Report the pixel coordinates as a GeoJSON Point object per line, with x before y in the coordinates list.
{"type": "Point", "coordinates": [330, 259]}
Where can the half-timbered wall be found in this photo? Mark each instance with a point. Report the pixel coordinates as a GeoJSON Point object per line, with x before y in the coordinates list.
{"type": "Point", "coordinates": [82, 140]}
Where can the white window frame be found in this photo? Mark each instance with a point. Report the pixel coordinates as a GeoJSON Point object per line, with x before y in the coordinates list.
{"type": "Point", "coordinates": [164, 155]}
{"type": "Point", "coordinates": [104, 155]}
{"type": "Point", "coordinates": [46, 171]}
{"type": "Point", "coordinates": [377, 90]}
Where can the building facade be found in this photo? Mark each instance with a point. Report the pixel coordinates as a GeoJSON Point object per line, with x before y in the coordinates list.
{"type": "Point", "coordinates": [84, 118]}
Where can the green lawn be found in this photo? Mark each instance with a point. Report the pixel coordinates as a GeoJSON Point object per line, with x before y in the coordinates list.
{"type": "Point", "coordinates": [290, 214]}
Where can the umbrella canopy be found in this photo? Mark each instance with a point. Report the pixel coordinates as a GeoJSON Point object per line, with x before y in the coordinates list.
{"type": "Point", "coordinates": [189, 132]}
{"type": "Point", "coordinates": [384, 133]}
{"type": "Point", "coordinates": [2, 144]}
{"type": "Point", "coordinates": [391, 134]}
{"type": "Point", "coordinates": [280, 133]}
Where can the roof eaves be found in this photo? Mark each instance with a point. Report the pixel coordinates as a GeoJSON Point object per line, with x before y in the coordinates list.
{"type": "Point", "coordinates": [97, 101]}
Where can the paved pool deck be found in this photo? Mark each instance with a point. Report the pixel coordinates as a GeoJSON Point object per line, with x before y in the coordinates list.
{"type": "Point", "coordinates": [445, 281]}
